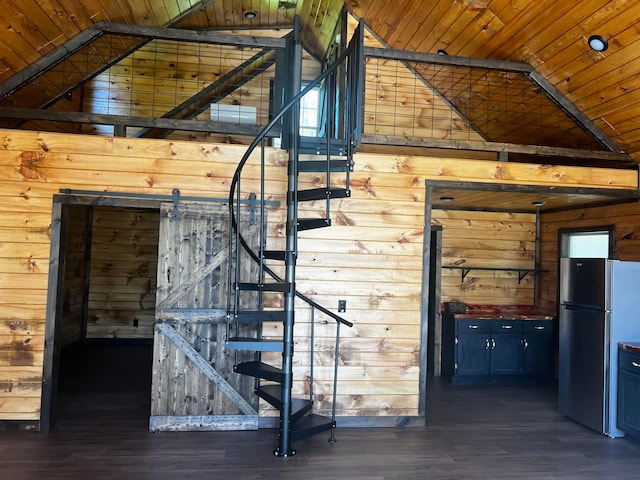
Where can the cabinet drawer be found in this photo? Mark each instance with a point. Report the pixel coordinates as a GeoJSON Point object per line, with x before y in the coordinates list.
{"type": "Point", "coordinates": [629, 361]}
{"type": "Point", "coordinates": [473, 325]}
{"type": "Point", "coordinates": [506, 326]}
{"type": "Point", "coordinates": [537, 326]}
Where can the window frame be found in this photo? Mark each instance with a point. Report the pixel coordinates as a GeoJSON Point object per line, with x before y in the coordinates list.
{"type": "Point", "coordinates": [565, 233]}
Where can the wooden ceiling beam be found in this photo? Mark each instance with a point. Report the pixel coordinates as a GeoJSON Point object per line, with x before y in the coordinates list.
{"type": "Point", "coordinates": [123, 121]}
{"type": "Point", "coordinates": [46, 62]}
{"type": "Point", "coordinates": [538, 150]}
{"type": "Point", "coordinates": [193, 36]}
{"type": "Point", "coordinates": [434, 58]}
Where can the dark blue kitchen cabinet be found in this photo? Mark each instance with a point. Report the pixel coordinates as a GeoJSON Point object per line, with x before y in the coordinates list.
{"type": "Point", "coordinates": [479, 350]}
{"type": "Point", "coordinates": [538, 344]}
{"type": "Point", "coordinates": [506, 347]}
{"type": "Point", "coordinates": [629, 391]}
{"type": "Point", "coordinates": [472, 347]}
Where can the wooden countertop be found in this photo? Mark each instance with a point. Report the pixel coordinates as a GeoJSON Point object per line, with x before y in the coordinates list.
{"type": "Point", "coordinates": [511, 312]}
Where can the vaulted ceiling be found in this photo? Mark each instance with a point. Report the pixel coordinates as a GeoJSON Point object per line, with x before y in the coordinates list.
{"type": "Point", "coordinates": [549, 35]}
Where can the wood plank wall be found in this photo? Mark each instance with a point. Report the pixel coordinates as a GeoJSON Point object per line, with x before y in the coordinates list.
{"type": "Point", "coordinates": [626, 221]}
{"type": "Point", "coordinates": [33, 167]}
{"type": "Point", "coordinates": [493, 239]}
{"type": "Point", "coordinates": [372, 256]}
{"type": "Point", "coordinates": [76, 270]}
{"type": "Point", "coordinates": [122, 285]}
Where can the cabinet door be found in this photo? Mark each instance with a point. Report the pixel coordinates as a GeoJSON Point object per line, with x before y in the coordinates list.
{"type": "Point", "coordinates": [538, 343]}
{"type": "Point", "coordinates": [629, 403]}
{"type": "Point", "coordinates": [506, 353]}
{"type": "Point", "coordinates": [538, 354]}
{"type": "Point", "coordinates": [472, 354]}
{"type": "Point", "coordinates": [506, 346]}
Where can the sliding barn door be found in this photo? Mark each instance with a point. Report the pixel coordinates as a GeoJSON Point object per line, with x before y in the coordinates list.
{"type": "Point", "coordinates": [194, 387]}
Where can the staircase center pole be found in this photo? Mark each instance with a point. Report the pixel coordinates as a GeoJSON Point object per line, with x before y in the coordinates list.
{"type": "Point", "coordinates": [284, 444]}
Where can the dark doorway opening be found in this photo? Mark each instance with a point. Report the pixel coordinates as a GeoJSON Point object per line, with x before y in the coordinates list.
{"type": "Point", "coordinates": [105, 386]}
{"type": "Point", "coordinates": [98, 358]}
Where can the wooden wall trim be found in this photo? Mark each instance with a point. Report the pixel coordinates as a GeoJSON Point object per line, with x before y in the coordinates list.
{"type": "Point", "coordinates": [476, 145]}
{"type": "Point", "coordinates": [132, 121]}
{"type": "Point", "coordinates": [202, 423]}
{"type": "Point", "coordinates": [53, 317]}
{"type": "Point", "coordinates": [424, 304]}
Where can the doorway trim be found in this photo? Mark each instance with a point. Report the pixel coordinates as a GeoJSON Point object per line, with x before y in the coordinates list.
{"type": "Point", "coordinates": [55, 290]}
{"type": "Point", "coordinates": [430, 295]}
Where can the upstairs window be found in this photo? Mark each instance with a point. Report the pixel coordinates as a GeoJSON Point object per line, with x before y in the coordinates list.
{"type": "Point", "coordinates": [310, 113]}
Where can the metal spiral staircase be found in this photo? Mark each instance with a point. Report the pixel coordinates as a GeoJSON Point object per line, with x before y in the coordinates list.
{"type": "Point", "coordinates": [342, 90]}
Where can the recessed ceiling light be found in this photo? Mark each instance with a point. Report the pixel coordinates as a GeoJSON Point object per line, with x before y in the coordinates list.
{"type": "Point", "coordinates": [539, 203]}
{"type": "Point", "coordinates": [598, 43]}
{"type": "Point", "coordinates": [442, 52]}
{"type": "Point", "coordinates": [250, 15]}
{"type": "Point", "coordinates": [446, 199]}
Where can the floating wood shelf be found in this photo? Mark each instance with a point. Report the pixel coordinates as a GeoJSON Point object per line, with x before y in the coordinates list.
{"type": "Point", "coordinates": [522, 272]}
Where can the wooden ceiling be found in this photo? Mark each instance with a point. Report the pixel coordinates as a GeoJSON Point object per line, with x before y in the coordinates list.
{"type": "Point", "coordinates": [523, 199]}
{"type": "Point", "coordinates": [550, 35]}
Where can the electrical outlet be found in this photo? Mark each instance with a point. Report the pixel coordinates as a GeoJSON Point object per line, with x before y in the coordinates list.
{"type": "Point", "coordinates": [342, 305]}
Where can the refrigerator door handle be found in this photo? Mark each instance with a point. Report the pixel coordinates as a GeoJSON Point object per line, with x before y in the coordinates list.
{"type": "Point", "coordinates": [578, 307]}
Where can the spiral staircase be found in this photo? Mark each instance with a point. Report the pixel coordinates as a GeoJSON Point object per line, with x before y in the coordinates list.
{"type": "Point", "coordinates": [329, 156]}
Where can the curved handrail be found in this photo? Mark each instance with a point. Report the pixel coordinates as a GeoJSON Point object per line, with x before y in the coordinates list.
{"type": "Point", "coordinates": [252, 146]}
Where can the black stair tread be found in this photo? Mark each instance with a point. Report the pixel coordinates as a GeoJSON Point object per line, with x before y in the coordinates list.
{"type": "Point", "coordinates": [254, 344]}
{"type": "Point", "coordinates": [316, 145]}
{"type": "Point", "coordinates": [267, 287]}
{"type": "Point", "coordinates": [260, 370]}
{"type": "Point", "coordinates": [322, 193]}
{"type": "Point", "coordinates": [323, 166]}
{"type": "Point", "coordinates": [311, 223]}
{"type": "Point", "coordinates": [310, 425]}
{"type": "Point", "coordinates": [273, 395]}
{"type": "Point", "coordinates": [275, 254]}
{"type": "Point", "coordinates": [259, 316]}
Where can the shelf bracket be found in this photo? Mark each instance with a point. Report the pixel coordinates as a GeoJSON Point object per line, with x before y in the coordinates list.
{"type": "Point", "coordinates": [522, 274]}
{"type": "Point", "coordinates": [464, 273]}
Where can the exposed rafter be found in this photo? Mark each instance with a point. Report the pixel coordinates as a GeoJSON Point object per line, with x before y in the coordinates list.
{"type": "Point", "coordinates": [70, 47]}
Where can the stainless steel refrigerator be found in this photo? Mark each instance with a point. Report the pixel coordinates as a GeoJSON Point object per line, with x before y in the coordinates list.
{"type": "Point", "coordinates": [599, 301]}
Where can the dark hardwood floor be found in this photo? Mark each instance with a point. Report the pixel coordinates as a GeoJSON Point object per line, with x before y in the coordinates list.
{"type": "Point", "coordinates": [472, 432]}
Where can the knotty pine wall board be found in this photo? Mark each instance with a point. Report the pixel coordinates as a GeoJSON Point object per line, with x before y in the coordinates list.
{"type": "Point", "coordinates": [76, 247]}
{"type": "Point", "coordinates": [122, 285]}
{"type": "Point", "coordinates": [379, 234]}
